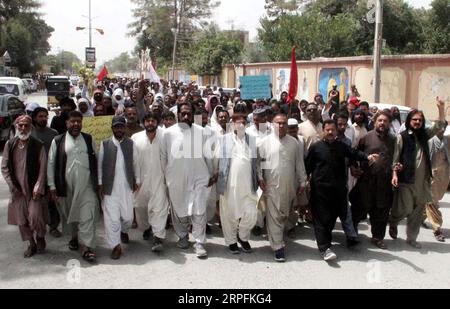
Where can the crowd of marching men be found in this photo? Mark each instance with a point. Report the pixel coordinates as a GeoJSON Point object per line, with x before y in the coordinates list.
{"type": "Point", "coordinates": [186, 158]}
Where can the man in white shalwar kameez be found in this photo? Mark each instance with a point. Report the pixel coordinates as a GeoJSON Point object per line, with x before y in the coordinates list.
{"type": "Point", "coordinates": [237, 184]}
{"type": "Point", "coordinates": [72, 178]}
{"type": "Point", "coordinates": [284, 175]}
{"type": "Point", "coordinates": [189, 178]}
{"type": "Point", "coordinates": [301, 202]}
{"type": "Point", "coordinates": [212, 133]}
{"type": "Point", "coordinates": [151, 201]}
{"type": "Point", "coordinates": [259, 130]}
{"type": "Point", "coordinates": [118, 173]}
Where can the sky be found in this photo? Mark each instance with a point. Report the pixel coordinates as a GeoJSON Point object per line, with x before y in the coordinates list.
{"type": "Point", "coordinates": [113, 16]}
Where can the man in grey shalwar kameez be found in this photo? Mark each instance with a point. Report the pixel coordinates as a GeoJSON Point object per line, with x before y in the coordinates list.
{"type": "Point", "coordinates": [72, 178]}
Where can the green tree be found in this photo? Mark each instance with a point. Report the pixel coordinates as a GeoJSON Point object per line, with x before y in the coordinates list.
{"type": "Point", "coordinates": [122, 63]}
{"type": "Point", "coordinates": [255, 53]}
{"type": "Point", "coordinates": [18, 42]}
{"type": "Point", "coordinates": [20, 24]}
{"type": "Point", "coordinates": [212, 50]}
{"type": "Point", "coordinates": [157, 21]}
{"type": "Point", "coordinates": [12, 8]}
{"type": "Point", "coordinates": [279, 8]}
{"type": "Point", "coordinates": [337, 28]}
{"type": "Point", "coordinates": [63, 63]}
{"type": "Point", "coordinates": [438, 27]}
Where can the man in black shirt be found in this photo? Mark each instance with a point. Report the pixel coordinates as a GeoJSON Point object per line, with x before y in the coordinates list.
{"type": "Point", "coordinates": [59, 122]}
{"type": "Point", "coordinates": [326, 165]}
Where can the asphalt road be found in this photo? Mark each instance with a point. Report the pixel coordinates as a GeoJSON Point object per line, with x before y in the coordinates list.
{"type": "Point", "coordinates": [364, 267]}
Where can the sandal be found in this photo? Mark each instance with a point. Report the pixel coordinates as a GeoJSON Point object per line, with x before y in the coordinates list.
{"type": "Point", "coordinates": [55, 233]}
{"type": "Point", "coordinates": [31, 251]}
{"type": "Point", "coordinates": [89, 256]}
{"type": "Point", "coordinates": [73, 245]}
{"type": "Point", "coordinates": [439, 237]}
{"type": "Point", "coordinates": [379, 243]}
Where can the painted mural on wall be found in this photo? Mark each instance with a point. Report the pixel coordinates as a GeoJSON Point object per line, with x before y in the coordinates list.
{"type": "Point", "coordinates": [434, 82]}
{"type": "Point", "coordinates": [334, 77]}
{"type": "Point", "coordinates": [266, 72]}
{"type": "Point", "coordinates": [282, 81]}
{"type": "Point", "coordinates": [303, 89]}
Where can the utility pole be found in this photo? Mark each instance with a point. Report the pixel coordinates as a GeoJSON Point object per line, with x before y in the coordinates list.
{"type": "Point", "coordinates": [180, 6]}
{"type": "Point", "coordinates": [377, 50]}
{"type": "Point", "coordinates": [90, 25]}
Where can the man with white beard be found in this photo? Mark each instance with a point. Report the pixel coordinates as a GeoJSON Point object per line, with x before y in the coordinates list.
{"type": "Point", "coordinates": [151, 203]}
{"type": "Point", "coordinates": [189, 178]}
{"type": "Point", "coordinates": [24, 166]}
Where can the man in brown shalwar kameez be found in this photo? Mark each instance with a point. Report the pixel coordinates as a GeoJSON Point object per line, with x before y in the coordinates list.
{"type": "Point", "coordinates": [374, 189]}
{"type": "Point", "coordinates": [413, 174]}
{"type": "Point", "coordinates": [24, 168]}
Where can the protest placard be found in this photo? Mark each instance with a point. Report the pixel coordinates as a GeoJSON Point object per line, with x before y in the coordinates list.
{"type": "Point", "coordinates": [255, 87]}
{"type": "Point", "coordinates": [99, 128]}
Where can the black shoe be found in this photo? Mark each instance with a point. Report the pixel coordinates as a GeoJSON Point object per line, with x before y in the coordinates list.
{"type": "Point", "coordinates": [245, 246]}
{"type": "Point", "coordinates": [352, 242]}
{"type": "Point", "coordinates": [73, 245]}
{"type": "Point", "coordinates": [439, 236]}
{"type": "Point", "coordinates": [280, 256]}
{"type": "Point", "coordinates": [208, 230]}
{"type": "Point", "coordinates": [257, 231]}
{"type": "Point", "coordinates": [157, 245]}
{"type": "Point", "coordinates": [234, 249]}
{"type": "Point", "coordinates": [147, 234]}
{"type": "Point", "coordinates": [124, 238]}
{"type": "Point", "coordinates": [393, 232]}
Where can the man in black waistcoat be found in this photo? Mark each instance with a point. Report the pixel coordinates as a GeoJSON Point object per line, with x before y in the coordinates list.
{"type": "Point", "coordinates": [72, 178]}
{"type": "Point", "coordinates": [118, 173]}
{"type": "Point", "coordinates": [412, 173]}
{"type": "Point", "coordinates": [23, 167]}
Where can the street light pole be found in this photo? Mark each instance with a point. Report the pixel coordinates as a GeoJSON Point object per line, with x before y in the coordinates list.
{"type": "Point", "coordinates": [377, 50]}
{"type": "Point", "coordinates": [174, 52]}
{"type": "Point", "coordinates": [90, 25]}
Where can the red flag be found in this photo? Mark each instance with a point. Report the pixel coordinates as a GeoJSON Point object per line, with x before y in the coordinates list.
{"type": "Point", "coordinates": [293, 83]}
{"type": "Point", "coordinates": [103, 74]}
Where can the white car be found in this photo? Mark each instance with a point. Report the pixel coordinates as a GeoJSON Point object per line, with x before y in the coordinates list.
{"type": "Point", "coordinates": [14, 86]}
{"type": "Point", "coordinates": [404, 110]}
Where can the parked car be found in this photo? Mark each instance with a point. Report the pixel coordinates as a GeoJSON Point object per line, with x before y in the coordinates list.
{"type": "Point", "coordinates": [404, 110]}
{"type": "Point", "coordinates": [14, 86]}
{"type": "Point", "coordinates": [10, 108]}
